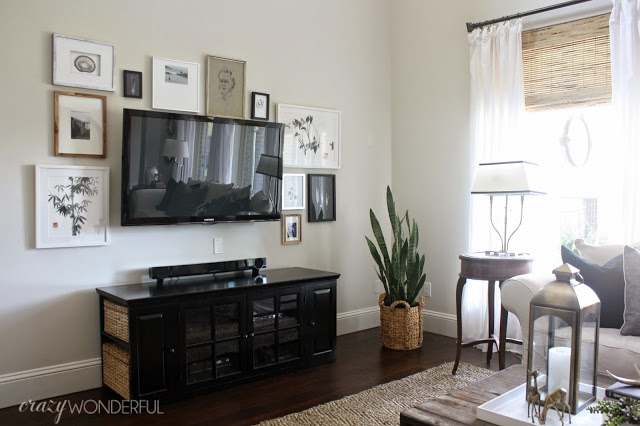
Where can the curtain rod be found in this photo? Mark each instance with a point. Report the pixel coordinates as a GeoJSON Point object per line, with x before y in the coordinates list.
{"type": "Point", "coordinates": [472, 26]}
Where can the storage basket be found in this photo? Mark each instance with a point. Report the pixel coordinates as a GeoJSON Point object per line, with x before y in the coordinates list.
{"type": "Point", "coordinates": [115, 368]}
{"type": "Point", "coordinates": [401, 327]}
{"type": "Point", "coordinates": [116, 320]}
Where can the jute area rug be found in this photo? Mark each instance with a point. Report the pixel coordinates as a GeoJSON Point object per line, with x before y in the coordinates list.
{"type": "Point", "coordinates": [382, 404]}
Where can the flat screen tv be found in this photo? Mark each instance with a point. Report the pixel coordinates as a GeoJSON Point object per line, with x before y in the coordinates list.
{"type": "Point", "coordinates": [179, 168]}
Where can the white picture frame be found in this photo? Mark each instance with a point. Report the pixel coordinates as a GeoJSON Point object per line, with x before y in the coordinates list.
{"type": "Point", "coordinates": [176, 85]}
{"type": "Point", "coordinates": [82, 192]}
{"type": "Point", "coordinates": [311, 136]}
{"type": "Point", "coordinates": [293, 191]}
{"type": "Point", "coordinates": [80, 62]}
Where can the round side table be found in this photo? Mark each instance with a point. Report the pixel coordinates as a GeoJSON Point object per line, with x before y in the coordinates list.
{"type": "Point", "coordinates": [492, 268]}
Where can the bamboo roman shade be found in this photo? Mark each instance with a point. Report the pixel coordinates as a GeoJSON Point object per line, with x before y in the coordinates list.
{"type": "Point", "coordinates": [567, 64]}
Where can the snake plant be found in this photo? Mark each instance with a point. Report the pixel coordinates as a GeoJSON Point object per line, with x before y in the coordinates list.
{"type": "Point", "coordinates": [401, 270]}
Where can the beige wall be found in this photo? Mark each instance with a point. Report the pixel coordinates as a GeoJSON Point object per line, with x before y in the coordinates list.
{"type": "Point", "coordinates": [330, 54]}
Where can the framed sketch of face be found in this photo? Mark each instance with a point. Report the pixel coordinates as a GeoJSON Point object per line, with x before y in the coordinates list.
{"type": "Point", "coordinates": [225, 87]}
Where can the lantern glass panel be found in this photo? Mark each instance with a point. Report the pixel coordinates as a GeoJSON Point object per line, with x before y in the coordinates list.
{"type": "Point", "coordinates": [551, 353]}
{"type": "Point", "coordinates": [587, 371]}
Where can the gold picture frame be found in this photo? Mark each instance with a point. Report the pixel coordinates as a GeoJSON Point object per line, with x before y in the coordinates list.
{"type": "Point", "coordinates": [80, 125]}
{"type": "Point", "coordinates": [291, 228]}
{"type": "Point", "coordinates": [226, 83]}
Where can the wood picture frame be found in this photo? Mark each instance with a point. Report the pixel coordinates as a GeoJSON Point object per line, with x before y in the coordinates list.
{"type": "Point", "coordinates": [321, 196]}
{"type": "Point", "coordinates": [293, 191]}
{"type": "Point", "coordinates": [291, 228]}
{"type": "Point", "coordinates": [259, 106]}
{"type": "Point", "coordinates": [132, 84]}
{"type": "Point", "coordinates": [311, 137]}
{"type": "Point", "coordinates": [80, 128]}
{"type": "Point", "coordinates": [176, 85]}
{"type": "Point", "coordinates": [226, 82]}
{"type": "Point", "coordinates": [80, 62]}
{"type": "Point", "coordinates": [72, 206]}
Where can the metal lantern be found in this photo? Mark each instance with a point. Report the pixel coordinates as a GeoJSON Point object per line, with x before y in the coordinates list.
{"type": "Point", "coordinates": [564, 323]}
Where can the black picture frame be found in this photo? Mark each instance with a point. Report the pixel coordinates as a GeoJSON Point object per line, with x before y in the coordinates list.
{"type": "Point", "coordinates": [321, 198]}
{"type": "Point", "coordinates": [259, 106]}
{"type": "Point", "coordinates": [132, 84]}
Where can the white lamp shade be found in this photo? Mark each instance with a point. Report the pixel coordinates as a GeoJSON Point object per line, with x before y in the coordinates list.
{"type": "Point", "coordinates": [511, 177]}
{"type": "Point", "coordinates": [175, 148]}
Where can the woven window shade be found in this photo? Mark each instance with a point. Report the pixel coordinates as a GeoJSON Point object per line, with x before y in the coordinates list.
{"type": "Point", "coordinates": [567, 64]}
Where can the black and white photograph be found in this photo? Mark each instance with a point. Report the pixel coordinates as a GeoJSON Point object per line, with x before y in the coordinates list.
{"type": "Point", "coordinates": [71, 206]}
{"type": "Point", "coordinates": [292, 191]}
{"type": "Point", "coordinates": [80, 125]}
{"type": "Point", "coordinates": [132, 84]}
{"type": "Point", "coordinates": [79, 62]}
{"type": "Point", "coordinates": [175, 85]}
{"type": "Point", "coordinates": [225, 87]}
{"type": "Point", "coordinates": [291, 228]}
{"type": "Point", "coordinates": [321, 193]}
{"type": "Point", "coordinates": [176, 75]}
{"type": "Point", "coordinates": [311, 136]}
{"type": "Point", "coordinates": [259, 106]}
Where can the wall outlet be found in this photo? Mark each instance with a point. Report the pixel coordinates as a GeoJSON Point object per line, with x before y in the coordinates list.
{"type": "Point", "coordinates": [427, 289]}
{"type": "Point", "coordinates": [378, 287]}
{"type": "Point", "coordinates": [217, 246]}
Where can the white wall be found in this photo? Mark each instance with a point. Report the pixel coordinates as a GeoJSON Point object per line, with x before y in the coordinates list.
{"type": "Point", "coordinates": [331, 54]}
{"type": "Point", "coordinates": [431, 150]}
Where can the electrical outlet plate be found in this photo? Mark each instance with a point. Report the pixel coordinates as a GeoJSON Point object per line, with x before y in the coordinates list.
{"type": "Point", "coordinates": [427, 289]}
{"type": "Point", "coordinates": [217, 246]}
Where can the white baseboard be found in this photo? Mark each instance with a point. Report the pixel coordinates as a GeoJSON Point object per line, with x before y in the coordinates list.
{"type": "Point", "coordinates": [48, 382]}
{"type": "Point", "coordinates": [62, 379]}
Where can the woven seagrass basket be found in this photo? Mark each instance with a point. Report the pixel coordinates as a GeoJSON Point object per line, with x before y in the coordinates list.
{"type": "Point", "coordinates": [401, 325]}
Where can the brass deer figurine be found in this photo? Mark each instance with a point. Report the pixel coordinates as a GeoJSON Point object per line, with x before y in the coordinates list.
{"type": "Point", "coordinates": [558, 401]}
{"type": "Point", "coordinates": [533, 396]}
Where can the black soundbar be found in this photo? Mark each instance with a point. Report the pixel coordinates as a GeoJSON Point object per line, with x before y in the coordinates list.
{"type": "Point", "coordinates": [161, 273]}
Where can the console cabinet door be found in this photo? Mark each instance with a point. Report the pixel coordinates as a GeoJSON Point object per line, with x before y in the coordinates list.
{"type": "Point", "coordinates": [321, 322]}
{"type": "Point", "coordinates": [154, 351]}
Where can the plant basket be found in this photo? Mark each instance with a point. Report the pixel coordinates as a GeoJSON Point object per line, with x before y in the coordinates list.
{"type": "Point", "coordinates": [401, 325]}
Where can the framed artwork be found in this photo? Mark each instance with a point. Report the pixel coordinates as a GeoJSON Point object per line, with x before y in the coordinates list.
{"type": "Point", "coordinates": [311, 137]}
{"type": "Point", "coordinates": [225, 87]}
{"type": "Point", "coordinates": [322, 198]}
{"type": "Point", "coordinates": [291, 228]}
{"type": "Point", "coordinates": [132, 84]}
{"type": "Point", "coordinates": [79, 62]}
{"type": "Point", "coordinates": [259, 106]}
{"type": "Point", "coordinates": [72, 206]}
{"type": "Point", "coordinates": [292, 191]}
{"type": "Point", "coordinates": [176, 85]}
{"type": "Point", "coordinates": [80, 125]}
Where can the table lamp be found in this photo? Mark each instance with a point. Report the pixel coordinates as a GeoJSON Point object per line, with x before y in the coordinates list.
{"type": "Point", "coordinates": [506, 178]}
{"type": "Point", "coordinates": [270, 166]}
{"type": "Point", "coordinates": [178, 150]}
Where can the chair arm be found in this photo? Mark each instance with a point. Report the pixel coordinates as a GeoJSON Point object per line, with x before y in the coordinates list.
{"type": "Point", "coordinates": [516, 294]}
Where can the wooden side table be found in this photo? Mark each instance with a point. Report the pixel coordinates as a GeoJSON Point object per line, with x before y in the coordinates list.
{"type": "Point", "coordinates": [492, 268]}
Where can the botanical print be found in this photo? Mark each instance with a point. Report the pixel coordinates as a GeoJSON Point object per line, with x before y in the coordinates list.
{"type": "Point", "coordinates": [292, 191]}
{"type": "Point", "coordinates": [176, 75]}
{"type": "Point", "coordinates": [311, 137]}
{"type": "Point", "coordinates": [69, 203]}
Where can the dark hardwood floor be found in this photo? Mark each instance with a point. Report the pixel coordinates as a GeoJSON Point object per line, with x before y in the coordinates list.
{"type": "Point", "coordinates": [362, 363]}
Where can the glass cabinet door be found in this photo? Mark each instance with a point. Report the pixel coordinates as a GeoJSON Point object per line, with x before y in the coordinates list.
{"type": "Point", "coordinates": [264, 327]}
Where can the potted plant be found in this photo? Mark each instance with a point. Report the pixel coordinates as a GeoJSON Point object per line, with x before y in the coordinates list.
{"type": "Point", "coordinates": [624, 411]}
{"type": "Point", "coordinates": [401, 273]}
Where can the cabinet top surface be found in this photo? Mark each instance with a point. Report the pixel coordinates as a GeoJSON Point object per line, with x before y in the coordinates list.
{"type": "Point", "coordinates": [206, 284]}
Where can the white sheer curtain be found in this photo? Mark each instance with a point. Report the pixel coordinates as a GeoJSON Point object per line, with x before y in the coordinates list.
{"type": "Point", "coordinates": [624, 27]}
{"type": "Point", "coordinates": [497, 104]}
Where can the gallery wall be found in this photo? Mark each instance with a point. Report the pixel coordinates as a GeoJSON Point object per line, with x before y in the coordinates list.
{"type": "Point", "coordinates": [332, 54]}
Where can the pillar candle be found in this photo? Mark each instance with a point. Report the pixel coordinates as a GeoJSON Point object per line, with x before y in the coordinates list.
{"type": "Point", "coordinates": [559, 368]}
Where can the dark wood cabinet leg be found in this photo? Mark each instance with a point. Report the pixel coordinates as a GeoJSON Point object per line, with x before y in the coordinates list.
{"type": "Point", "coordinates": [504, 316]}
{"type": "Point", "coordinates": [459, 287]}
{"type": "Point", "coordinates": [491, 294]}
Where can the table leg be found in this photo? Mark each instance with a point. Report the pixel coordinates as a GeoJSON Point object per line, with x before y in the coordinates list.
{"type": "Point", "coordinates": [491, 294]}
{"type": "Point", "coordinates": [459, 287]}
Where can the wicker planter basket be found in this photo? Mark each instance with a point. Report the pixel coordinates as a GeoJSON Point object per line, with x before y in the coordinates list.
{"type": "Point", "coordinates": [401, 328]}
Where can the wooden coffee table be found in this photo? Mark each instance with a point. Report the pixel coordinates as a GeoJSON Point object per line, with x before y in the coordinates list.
{"type": "Point", "coordinates": [459, 406]}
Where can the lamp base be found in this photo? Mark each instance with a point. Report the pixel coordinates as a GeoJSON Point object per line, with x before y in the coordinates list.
{"type": "Point", "coordinates": [502, 253]}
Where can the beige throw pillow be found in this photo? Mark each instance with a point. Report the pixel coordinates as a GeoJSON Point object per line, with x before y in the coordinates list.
{"type": "Point", "coordinates": [598, 254]}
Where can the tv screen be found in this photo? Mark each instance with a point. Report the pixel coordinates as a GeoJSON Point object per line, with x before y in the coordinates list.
{"type": "Point", "coordinates": [179, 168]}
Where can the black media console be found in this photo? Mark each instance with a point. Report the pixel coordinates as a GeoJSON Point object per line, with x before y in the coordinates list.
{"type": "Point", "coordinates": [199, 334]}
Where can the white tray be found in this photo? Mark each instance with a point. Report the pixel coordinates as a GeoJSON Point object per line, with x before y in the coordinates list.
{"type": "Point", "coordinates": [510, 409]}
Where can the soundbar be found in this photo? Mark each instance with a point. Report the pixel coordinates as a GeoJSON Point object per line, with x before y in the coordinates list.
{"type": "Point", "coordinates": [160, 273]}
